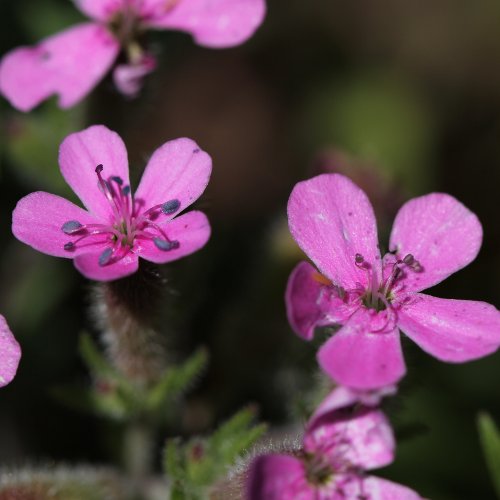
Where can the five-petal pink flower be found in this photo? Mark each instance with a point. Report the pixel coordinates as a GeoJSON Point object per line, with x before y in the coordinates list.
{"type": "Point", "coordinates": [344, 438]}
{"type": "Point", "coordinates": [371, 298]}
{"type": "Point", "coordinates": [72, 62]}
{"type": "Point", "coordinates": [118, 227]}
{"type": "Point", "coordinates": [10, 353]}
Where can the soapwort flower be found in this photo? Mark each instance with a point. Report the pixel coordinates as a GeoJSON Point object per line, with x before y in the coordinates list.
{"type": "Point", "coordinates": [118, 227]}
{"type": "Point", "coordinates": [345, 437]}
{"type": "Point", "coordinates": [72, 62]}
{"type": "Point", "coordinates": [10, 353]}
{"type": "Point", "coordinates": [371, 298]}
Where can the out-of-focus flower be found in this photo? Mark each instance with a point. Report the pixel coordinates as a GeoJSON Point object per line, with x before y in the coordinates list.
{"type": "Point", "coordinates": [72, 62]}
{"type": "Point", "coordinates": [107, 239]}
{"type": "Point", "coordinates": [10, 353]}
{"type": "Point", "coordinates": [372, 298]}
{"type": "Point", "coordinates": [343, 439]}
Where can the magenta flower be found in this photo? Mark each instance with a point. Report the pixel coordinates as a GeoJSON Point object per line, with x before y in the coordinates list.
{"type": "Point", "coordinates": [72, 62]}
{"type": "Point", "coordinates": [343, 439]}
{"type": "Point", "coordinates": [107, 239]}
{"type": "Point", "coordinates": [371, 298]}
{"type": "Point", "coordinates": [10, 353]}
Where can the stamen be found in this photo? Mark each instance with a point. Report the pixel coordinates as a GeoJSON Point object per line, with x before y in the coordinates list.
{"type": "Point", "coordinates": [359, 259]}
{"type": "Point", "coordinates": [126, 190]}
{"type": "Point", "coordinates": [71, 227]}
{"type": "Point", "coordinates": [170, 207]}
{"type": "Point", "coordinates": [105, 257]}
{"type": "Point", "coordinates": [409, 259]}
{"type": "Point", "coordinates": [166, 245]}
{"type": "Point", "coordinates": [69, 246]}
{"type": "Point", "coordinates": [117, 179]}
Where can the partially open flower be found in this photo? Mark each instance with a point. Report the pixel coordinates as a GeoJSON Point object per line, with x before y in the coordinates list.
{"type": "Point", "coordinates": [370, 297]}
{"type": "Point", "coordinates": [72, 62]}
{"type": "Point", "coordinates": [118, 227]}
{"type": "Point", "coordinates": [343, 439]}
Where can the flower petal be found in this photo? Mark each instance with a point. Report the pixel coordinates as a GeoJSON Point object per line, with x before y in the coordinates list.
{"type": "Point", "coordinates": [88, 265]}
{"type": "Point", "coordinates": [303, 301]}
{"type": "Point", "coordinates": [442, 235]}
{"type": "Point", "coordinates": [278, 477]}
{"type": "Point", "coordinates": [362, 360]}
{"type": "Point", "coordinates": [100, 10]}
{"type": "Point", "coordinates": [451, 330]}
{"type": "Point", "coordinates": [79, 155]}
{"type": "Point", "coordinates": [360, 436]}
{"type": "Point", "coordinates": [178, 170]}
{"type": "Point", "coordinates": [37, 221]}
{"type": "Point", "coordinates": [69, 64]}
{"type": "Point", "coordinates": [191, 230]}
{"type": "Point", "coordinates": [10, 353]}
{"type": "Point", "coordinates": [376, 488]}
{"type": "Point", "coordinates": [332, 220]}
{"type": "Point", "coordinates": [213, 23]}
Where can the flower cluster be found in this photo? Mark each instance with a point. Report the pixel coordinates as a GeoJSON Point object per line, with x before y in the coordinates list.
{"type": "Point", "coordinates": [29, 75]}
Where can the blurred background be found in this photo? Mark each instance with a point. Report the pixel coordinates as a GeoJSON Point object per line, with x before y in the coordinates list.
{"type": "Point", "coordinates": [404, 97]}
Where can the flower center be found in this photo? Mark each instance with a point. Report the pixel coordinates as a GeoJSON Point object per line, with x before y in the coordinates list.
{"type": "Point", "coordinates": [318, 471]}
{"type": "Point", "coordinates": [127, 224]}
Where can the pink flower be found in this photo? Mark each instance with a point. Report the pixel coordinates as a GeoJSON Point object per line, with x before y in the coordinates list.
{"type": "Point", "coordinates": [343, 439]}
{"type": "Point", "coordinates": [72, 62]}
{"type": "Point", "coordinates": [372, 298]}
{"type": "Point", "coordinates": [107, 239]}
{"type": "Point", "coordinates": [10, 353]}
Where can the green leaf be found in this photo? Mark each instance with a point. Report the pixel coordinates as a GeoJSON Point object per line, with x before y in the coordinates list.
{"type": "Point", "coordinates": [490, 442]}
{"type": "Point", "coordinates": [176, 381]}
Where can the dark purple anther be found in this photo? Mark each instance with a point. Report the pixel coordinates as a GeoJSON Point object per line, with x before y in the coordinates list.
{"type": "Point", "coordinates": [117, 179]}
{"type": "Point", "coordinates": [71, 226]}
{"type": "Point", "coordinates": [126, 190]}
{"type": "Point", "coordinates": [170, 207]}
{"type": "Point", "coordinates": [69, 246]}
{"type": "Point", "coordinates": [166, 245]}
{"type": "Point", "coordinates": [359, 259]}
{"type": "Point", "coordinates": [409, 259]}
{"type": "Point", "coordinates": [105, 257]}
{"type": "Point", "coordinates": [99, 168]}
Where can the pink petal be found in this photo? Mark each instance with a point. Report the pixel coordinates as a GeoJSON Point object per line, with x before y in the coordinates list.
{"type": "Point", "coordinates": [100, 10]}
{"type": "Point", "coordinates": [178, 170]}
{"type": "Point", "coordinates": [79, 155]}
{"type": "Point", "coordinates": [88, 265]}
{"type": "Point", "coordinates": [343, 397]}
{"type": "Point", "coordinates": [38, 218]}
{"type": "Point", "coordinates": [10, 353]}
{"type": "Point", "coordinates": [375, 488]}
{"type": "Point", "coordinates": [213, 23]}
{"type": "Point", "coordinates": [451, 330]}
{"type": "Point", "coordinates": [362, 360]}
{"type": "Point", "coordinates": [306, 301]}
{"type": "Point", "coordinates": [359, 436]}
{"type": "Point", "coordinates": [69, 64]}
{"type": "Point", "coordinates": [332, 220]}
{"type": "Point", "coordinates": [128, 78]}
{"type": "Point", "coordinates": [278, 477]}
{"type": "Point", "coordinates": [440, 232]}
{"type": "Point", "coordinates": [191, 230]}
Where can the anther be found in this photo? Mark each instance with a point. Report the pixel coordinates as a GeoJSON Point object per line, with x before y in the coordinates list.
{"type": "Point", "coordinates": [165, 245]}
{"type": "Point", "coordinates": [105, 257]}
{"type": "Point", "coordinates": [170, 207]}
{"type": "Point", "coordinates": [409, 259]}
{"type": "Point", "coordinates": [126, 190]}
{"type": "Point", "coordinates": [71, 226]}
{"type": "Point", "coordinates": [99, 168]}
{"type": "Point", "coordinates": [69, 246]}
{"type": "Point", "coordinates": [359, 259]}
{"type": "Point", "coordinates": [117, 179]}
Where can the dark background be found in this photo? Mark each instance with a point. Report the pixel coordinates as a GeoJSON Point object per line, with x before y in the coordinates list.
{"type": "Point", "coordinates": [404, 97]}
